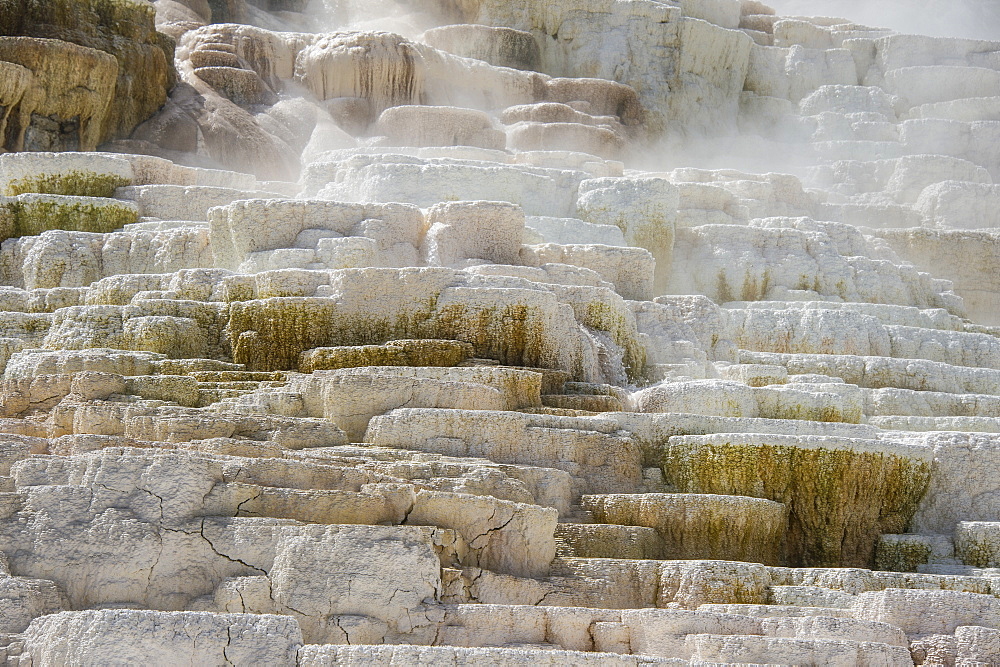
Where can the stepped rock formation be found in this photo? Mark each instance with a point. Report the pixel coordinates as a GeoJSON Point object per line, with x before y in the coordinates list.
{"type": "Point", "coordinates": [90, 71]}
{"type": "Point", "coordinates": [608, 332]}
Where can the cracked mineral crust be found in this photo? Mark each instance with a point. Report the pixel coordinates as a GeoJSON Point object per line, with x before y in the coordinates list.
{"type": "Point", "coordinates": [499, 332]}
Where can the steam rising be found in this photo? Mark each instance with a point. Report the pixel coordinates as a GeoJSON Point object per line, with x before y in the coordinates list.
{"type": "Point", "coordinates": [972, 19]}
{"type": "Point", "coordinates": [402, 18]}
{"type": "Point", "coordinates": [699, 104]}
{"type": "Point", "coordinates": [744, 148]}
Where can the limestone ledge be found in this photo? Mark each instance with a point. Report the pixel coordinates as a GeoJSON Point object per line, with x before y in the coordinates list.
{"type": "Point", "coordinates": [624, 333]}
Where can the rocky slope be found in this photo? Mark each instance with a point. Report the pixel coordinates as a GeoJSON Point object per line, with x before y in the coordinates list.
{"type": "Point", "coordinates": [488, 332]}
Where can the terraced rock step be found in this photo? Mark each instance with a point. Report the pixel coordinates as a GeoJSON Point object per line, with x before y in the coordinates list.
{"type": "Point", "coordinates": [497, 332]}
{"type": "Point", "coordinates": [841, 494]}
{"type": "Point", "coordinates": [701, 526]}
{"type": "Point", "coordinates": [608, 540]}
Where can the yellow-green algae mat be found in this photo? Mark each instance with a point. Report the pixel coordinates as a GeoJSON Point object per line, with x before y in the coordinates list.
{"type": "Point", "coordinates": [34, 214]}
{"type": "Point", "coordinates": [70, 182]}
{"type": "Point", "coordinates": [842, 494]}
{"type": "Point", "coordinates": [270, 334]}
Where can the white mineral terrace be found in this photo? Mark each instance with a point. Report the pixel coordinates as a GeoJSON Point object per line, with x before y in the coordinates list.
{"type": "Point", "coordinates": [499, 332]}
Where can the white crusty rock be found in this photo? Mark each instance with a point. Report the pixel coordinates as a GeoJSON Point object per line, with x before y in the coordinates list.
{"type": "Point", "coordinates": [414, 125]}
{"type": "Point", "coordinates": [427, 181]}
{"type": "Point", "coordinates": [644, 209]}
{"type": "Point", "coordinates": [498, 332]}
{"type": "Point", "coordinates": [161, 638]}
{"type": "Point", "coordinates": [462, 231]}
{"type": "Point", "coordinates": [600, 462]}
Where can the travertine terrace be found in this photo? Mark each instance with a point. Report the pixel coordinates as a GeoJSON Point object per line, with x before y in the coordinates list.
{"type": "Point", "coordinates": [541, 332]}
